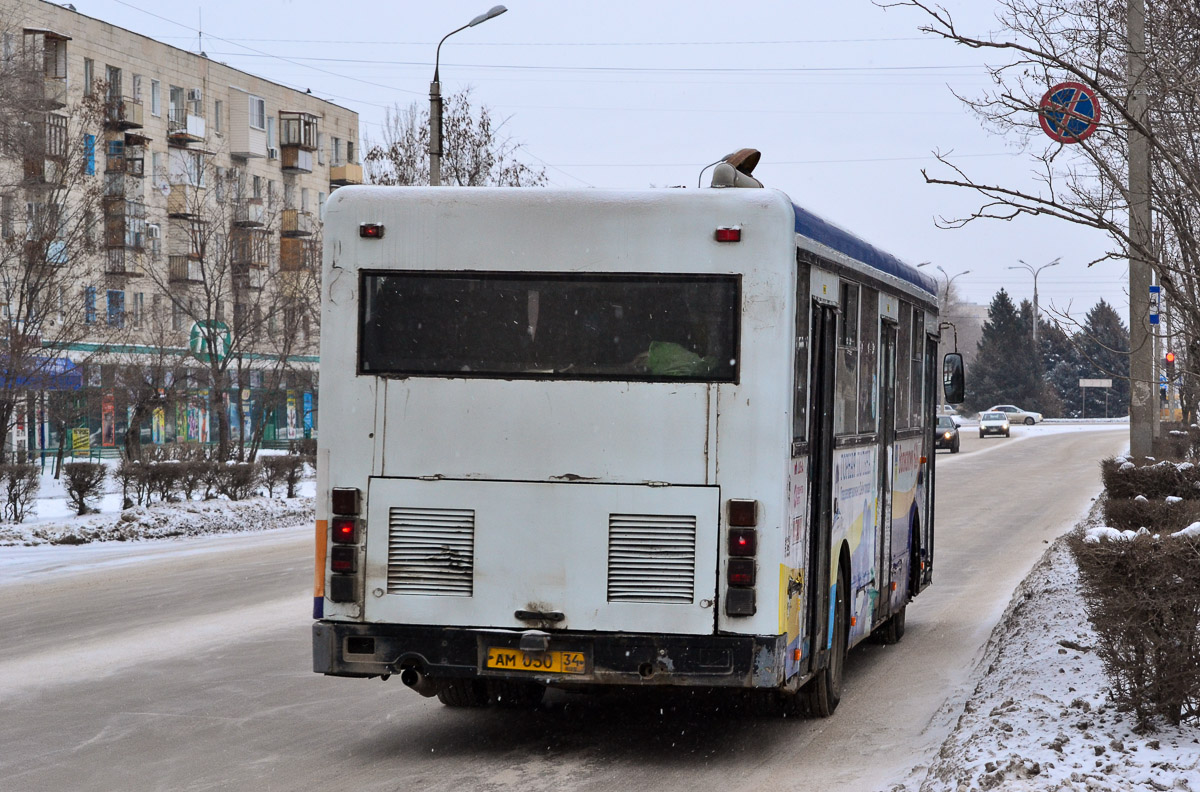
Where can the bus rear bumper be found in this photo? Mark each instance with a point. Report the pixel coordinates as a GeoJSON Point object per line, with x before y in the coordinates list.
{"type": "Point", "coordinates": [368, 650]}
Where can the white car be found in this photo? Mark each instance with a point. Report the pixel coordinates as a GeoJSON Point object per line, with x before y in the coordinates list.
{"type": "Point", "coordinates": [1016, 415]}
{"type": "Point", "coordinates": [993, 422]}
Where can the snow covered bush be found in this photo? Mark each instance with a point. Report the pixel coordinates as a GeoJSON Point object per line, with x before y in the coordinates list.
{"type": "Point", "coordinates": [83, 480]}
{"type": "Point", "coordinates": [1125, 478]}
{"type": "Point", "coordinates": [1142, 596]}
{"type": "Point", "coordinates": [237, 480]}
{"type": "Point", "coordinates": [286, 469]}
{"type": "Point", "coordinates": [21, 484]}
{"type": "Point", "coordinates": [1167, 515]}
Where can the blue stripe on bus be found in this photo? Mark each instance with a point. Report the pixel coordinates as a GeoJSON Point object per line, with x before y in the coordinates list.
{"type": "Point", "coordinates": [818, 230]}
{"type": "Point", "coordinates": [318, 607]}
{"type": "Point", "coordinates": [832, 604]}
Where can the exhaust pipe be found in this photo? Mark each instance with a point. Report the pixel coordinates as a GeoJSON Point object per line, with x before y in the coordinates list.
{"type": "Point", "coordinates": [415, 679]}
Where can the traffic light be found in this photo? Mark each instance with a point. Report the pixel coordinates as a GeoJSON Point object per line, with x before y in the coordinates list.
{"type": "Point", "coordinates": [1170, 359]}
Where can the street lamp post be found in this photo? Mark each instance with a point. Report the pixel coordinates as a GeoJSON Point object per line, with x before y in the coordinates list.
{"type": "Point", "coordinates": [1036, 315]}
{"type": "Point", "coordinates": [435, 99]}
{"type": "Point", "coordinates": [949, 278]}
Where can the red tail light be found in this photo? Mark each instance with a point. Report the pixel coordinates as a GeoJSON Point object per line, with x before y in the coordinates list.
{"type": "Point", "coordinates": [741, 571]}
{"type": "Point", "coordinates": [743, 542]}
{"type": "Point", "coordinates": [345, 530]}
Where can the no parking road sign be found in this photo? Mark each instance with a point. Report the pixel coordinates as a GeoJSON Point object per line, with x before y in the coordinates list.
{"type": "Point", "coordinates": [1069, 112]}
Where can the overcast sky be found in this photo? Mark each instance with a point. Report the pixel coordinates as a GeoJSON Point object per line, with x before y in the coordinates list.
{"type": "Point", "coordinates": [845, 100]}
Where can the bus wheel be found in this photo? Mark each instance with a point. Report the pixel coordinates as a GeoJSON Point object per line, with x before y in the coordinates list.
{"type": "Point", "coordinates": [824, 691]}
{"type": "Point", "coordinates": [463, 693]}
{"type": "Point", "coordinates": [515, 694]}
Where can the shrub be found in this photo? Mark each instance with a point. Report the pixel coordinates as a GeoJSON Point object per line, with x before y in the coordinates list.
{"type": "Point", "coordinates": [1156, 480]}
{"type": "Point", "coordinates": [237, 480]}
{"type": "Point", "coordinates": [1142, 595]}
{"type": "Point", "coordinates": [1160, 516]}
{"type": "Point", "coordinates": [132, 475]}
{"type": "Point", "coordinates": [163, 480]}
{"type": "Point", "coordinates": [192, 474]}
{"type": "Point", "coordinates": [21, 483]}
{"type": "Point", "coordinates": [84, 480]}
{"type": "Point", "coordinates": [286, 470]}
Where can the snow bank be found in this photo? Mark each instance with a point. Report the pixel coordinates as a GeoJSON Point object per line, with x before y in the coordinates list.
{"type": "Point", "coordinates": [160, 520]}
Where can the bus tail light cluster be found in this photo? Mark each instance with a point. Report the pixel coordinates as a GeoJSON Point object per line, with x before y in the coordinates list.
{"type": "Point", "coordinates": [345, 533]}
{"type": "Point", "coordinates": [742, 547]}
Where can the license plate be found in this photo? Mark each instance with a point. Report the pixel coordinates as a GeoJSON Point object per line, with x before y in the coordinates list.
{"type": "Point", "coordinates": [553, 662]}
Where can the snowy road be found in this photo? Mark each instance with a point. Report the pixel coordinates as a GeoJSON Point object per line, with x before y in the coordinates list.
{"type": "Point", "coordinates": [189, 669]}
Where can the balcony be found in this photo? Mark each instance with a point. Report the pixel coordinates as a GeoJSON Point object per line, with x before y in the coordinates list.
{"type": "Point", "coordinates": [185, 201]}
{"type": "Point", "coordinates": [40, 172]}
{"type": "Point", "coordinates": [298, 255]}
{"type": "Point", "coordinates": [123, 112]}
{"type": "Point", "coordinates": [296, 160]}
{"type": "Point", "coordinates": [298, 130]}
{"type": "Point", "coordinates": [124, 262]}
{"type": "Point", "coordinates": [249, 213]}
{"type": "Point", "coordinates": [54, 93]}
{"type": "Point", "coordinates": [346, 173]}
{"type": "Point", "coordinates": [251, 247]}
{"type": "Point", "coordinates": [249, 279]}
{"type": "Point", "coordinates": [296, 223]}
{"type": "Point", "coordinates": [182, 269]}
{"type": "Point", "coordinates": [183, 127]}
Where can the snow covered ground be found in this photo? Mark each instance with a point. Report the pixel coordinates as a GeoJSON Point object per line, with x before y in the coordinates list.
{"type": "Point", "coordinates": [1039, 717]}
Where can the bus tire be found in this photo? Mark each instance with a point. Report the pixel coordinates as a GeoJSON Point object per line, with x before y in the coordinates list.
{"type": "Point", "coordinates": [515, 693]}
{"type": "Point", "coordinates": [463, 693]}
{"type": "Point", "coordinates": [824, 690]}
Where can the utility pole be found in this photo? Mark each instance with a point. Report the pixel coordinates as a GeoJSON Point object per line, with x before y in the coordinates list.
{"type": "Point", "coordinates": [1143, 399]}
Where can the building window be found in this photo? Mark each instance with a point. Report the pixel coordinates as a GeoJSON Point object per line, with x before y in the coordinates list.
{"type": "Point", "coordinates": [89, 75]}
{"type": "Point", "coordinates": [336, 150]}
{"type": "Point", "coordinates": [320, 148]}
{"type": "Point", "coordinates": [137, 88]}
{"type": "Point", "coordinates": [6, 46]}
{"type": "Point", "coordinates": [176, 315]}
{"type": "Point", "coordinates": [155, 98]}
{"type": "Point", "coordinates": [350, 152]}
{"type": "Point", "coordinates": [89, 155]}
{"type": "Point", "coordinates": [136, 312]}
{"type": "Point", "coordinates": [321, 206]}
{"type": "Point", "coordinates": [272, 141]}
{"type": "Point", "coordinates": [89, 305]}
{"type": "Point", "coordinates": [7, 208]}
{"type": "Point", "coordinates": [303, 199]}
{"type": "Point", "coordinates": [218, 116]}
{"type": "Point", "coordinates": [156, 167]}
{"type": "Point", "coordinates": [116, 308]}
{"type": "Point", "coordinates": [256, 186]}
{"type": "Point", "coordinates": [258, 113]}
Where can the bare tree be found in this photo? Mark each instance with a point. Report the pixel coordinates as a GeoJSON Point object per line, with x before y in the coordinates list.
{"type": "Point", "coordinates": [231, 282]}
{"type": "Point", "coordinates": [477, 152]}
{"type": "Point", "coordinates": [1045, 42]}
{"type": "Point", "coordinates": [50, 201]}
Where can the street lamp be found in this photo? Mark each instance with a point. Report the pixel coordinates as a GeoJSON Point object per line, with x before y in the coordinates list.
{"type": "Point", "coordinates": [949, 278]}
{"type": "Point", "coordinates": [1035, 272]}
{"type": "Point", "coordinates": [435, 99]}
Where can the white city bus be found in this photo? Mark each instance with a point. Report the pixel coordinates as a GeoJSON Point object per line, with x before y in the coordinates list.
{"type": "Point", "coordinates": [585, 438]}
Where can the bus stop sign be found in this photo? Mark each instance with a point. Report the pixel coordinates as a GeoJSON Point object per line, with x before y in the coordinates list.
{"type": "Point", "coordinates": [1069, 112]}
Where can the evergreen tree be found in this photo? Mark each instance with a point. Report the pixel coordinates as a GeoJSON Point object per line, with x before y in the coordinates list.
{"type": "Point", "coordinates": [1104, 353]}
{"type": "Point", "coordinates": [1006, 368]}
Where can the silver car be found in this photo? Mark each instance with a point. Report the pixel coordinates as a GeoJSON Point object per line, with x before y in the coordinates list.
{"type": "Point", "coordinates": [1016, 415]}
{"type": "Point", "coordinates": [993, 422]}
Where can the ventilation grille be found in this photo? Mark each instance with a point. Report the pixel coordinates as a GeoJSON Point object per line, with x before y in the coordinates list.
{"type": "Point", "coordinates": [651, 558]}
{"type": "Point", "coordinates": [431, 551]}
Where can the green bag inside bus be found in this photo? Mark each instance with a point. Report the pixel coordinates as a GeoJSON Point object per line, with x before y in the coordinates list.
{"type": "Point", "coordinates": [671, 359]}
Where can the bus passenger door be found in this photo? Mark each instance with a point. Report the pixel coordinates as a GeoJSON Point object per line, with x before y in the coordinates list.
{"type": "Point", "coordinates": [929, 421]}
{"type": "Point", "coordinates": [887, 451]}
{"type": "Point", "coordinates": [823, 351]}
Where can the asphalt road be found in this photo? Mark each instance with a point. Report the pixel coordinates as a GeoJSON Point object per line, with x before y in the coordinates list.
{"type": "Point", "coordinates": [185, 666]}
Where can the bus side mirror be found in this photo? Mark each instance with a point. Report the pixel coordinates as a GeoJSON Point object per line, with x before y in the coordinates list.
{"type": "Point", "coordinates": [952, 377]}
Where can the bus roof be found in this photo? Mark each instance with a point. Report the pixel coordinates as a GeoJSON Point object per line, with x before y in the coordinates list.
{"type": "Point", "coordinates": [826, 233]}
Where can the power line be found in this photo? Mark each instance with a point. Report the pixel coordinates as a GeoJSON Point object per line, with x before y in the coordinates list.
{"type": "Point", "coordinates": [260, 53]}
{"type": "Point", "coordinates": [790, 42]}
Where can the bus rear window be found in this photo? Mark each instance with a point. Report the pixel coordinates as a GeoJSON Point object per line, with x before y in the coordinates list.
{"type": "Point", "coordinates": [550, 326]}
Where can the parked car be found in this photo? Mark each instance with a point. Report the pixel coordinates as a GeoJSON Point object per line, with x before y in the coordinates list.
{"type": "Point", "coordinates": [993, 422]}
{"type": "Point", "coordinates": [947, 434]}
{"type": "Point", "coordinates": [1016, 414]}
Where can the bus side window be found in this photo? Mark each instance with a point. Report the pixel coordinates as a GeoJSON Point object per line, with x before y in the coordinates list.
{"type": "Point", "coordinates": [845, 402]}
{"type": "Point", "coordinates": [800, 351]}
{"type": "Point", "coordinates": [903, 367]}
{"type": "Point", "coordinates": [868, 372]}
{"type": "Point", "coordinates": [918, 366]}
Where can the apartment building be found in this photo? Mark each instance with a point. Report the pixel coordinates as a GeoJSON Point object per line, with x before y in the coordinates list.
{"type": "Point", "coordinates": [193, 157]}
